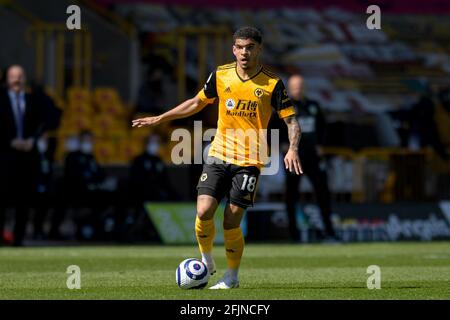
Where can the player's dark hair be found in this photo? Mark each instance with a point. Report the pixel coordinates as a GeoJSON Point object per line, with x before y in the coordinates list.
{"type": "Point", "coordinates": [248, 33]}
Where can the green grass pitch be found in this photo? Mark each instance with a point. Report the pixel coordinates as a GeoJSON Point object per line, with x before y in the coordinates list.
{"type": "Point", "coordinates": [275, 271]}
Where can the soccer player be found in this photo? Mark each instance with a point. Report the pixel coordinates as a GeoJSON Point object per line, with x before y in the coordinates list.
{"type": "Point", "coordinates": [246, 93]}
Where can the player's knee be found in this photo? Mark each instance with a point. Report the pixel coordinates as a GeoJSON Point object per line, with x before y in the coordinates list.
{"type": "Point", "coordinates": [230, 223]}
{"type": "Point", "coordinates": [232, 217]}
{"type": "Point", "coordinates": [206, 207]}
{"type": "Point", "coordinates": [205, 212]}
{"type": "Point", "coordinates": [236, 210]}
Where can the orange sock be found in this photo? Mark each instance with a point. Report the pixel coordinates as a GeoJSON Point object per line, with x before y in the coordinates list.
{"type": "Point", "coordinates": [205, 233]}
{"type": "Point", "coordinates": [234, 246]}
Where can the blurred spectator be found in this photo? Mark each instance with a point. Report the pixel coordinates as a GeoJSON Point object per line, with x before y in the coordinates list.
{"type": "Point", "coordinates": [148, 181]}
{"type": "Point", "coordinates": [82, 170]}
{"type": "Point", "coordinates": [443, 116]}
{"type": "Point", "coordinates": [423, 126]}
{"type": "Point", "coordinates": [44, 187]}
{"type": "Point", "coordinates": [21, 124]}
{"type": "Point", "coordinates": [150, 98]}
{"type": "Point", "coordinates": [52, 115]}
{"type": "Point", "coordinates": [82, 187]}
{"type": "Point", "coordinates": [148, 175]}
{"type": "Point", "coordinates": [72, 144]}
{"type": "Point", "coordinates": [312, 123]}
{"type": "Point", "coordinates": [157, 93]}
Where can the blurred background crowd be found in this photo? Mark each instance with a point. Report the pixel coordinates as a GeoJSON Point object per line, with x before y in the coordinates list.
{"type": "Point", "coordinates": [374, 105]}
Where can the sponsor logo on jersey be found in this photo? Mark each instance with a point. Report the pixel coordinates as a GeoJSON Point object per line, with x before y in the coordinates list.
{"type": "Point", "coordinates": [204, 177]}
{"type": "Point", "coordinates": [244, 108]}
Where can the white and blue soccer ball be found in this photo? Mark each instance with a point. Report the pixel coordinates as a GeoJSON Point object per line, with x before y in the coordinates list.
{"type": "Point", "coordinates": [192, 274]}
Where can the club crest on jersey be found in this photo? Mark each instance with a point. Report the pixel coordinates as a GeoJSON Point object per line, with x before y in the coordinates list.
{"type": "Point", "coordinates": [258, 92]}
{"type": "Point", "coordinates": [230, 104]}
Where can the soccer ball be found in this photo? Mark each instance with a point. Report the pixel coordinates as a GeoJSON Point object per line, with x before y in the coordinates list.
{"type": "Point", "coordinates": [192, 274]}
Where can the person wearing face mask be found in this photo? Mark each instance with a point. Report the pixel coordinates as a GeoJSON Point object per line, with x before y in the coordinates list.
{"type": "Point", "coordinates": [82, 171]}
{"type": "Point", "coordinates": [44, 187]}
{"type": "Point", "coordinates": [82, 184]}
{"type": "Point", "coordinates": [148, 174]}
{"type": "Point", "coordinates": [147, 181]}
{"type": "Point", "coordinates": [72, 144]}
{"type": "Point", "coordinates": [21, 123]}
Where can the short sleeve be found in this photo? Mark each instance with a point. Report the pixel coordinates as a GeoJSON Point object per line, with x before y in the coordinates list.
{"type": "Point", "coordinates": [281, 101]}
{"type": "Point", "coordinates": [209, 91]}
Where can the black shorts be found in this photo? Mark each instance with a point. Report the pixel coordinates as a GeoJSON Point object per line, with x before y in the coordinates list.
{"type": "Point", "coordinates": [237, 183]}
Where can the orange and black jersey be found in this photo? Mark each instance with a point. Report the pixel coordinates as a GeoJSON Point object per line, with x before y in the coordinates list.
{"type": "Point", "coordinates": [244, 106]}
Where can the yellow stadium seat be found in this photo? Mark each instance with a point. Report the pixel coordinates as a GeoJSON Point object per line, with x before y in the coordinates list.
{"type": "Point", "coordinates": [81, 123]}
{"type": "Point", "coordinates": [129, 149]}
{"type": "Point", "coordinates": [105, 151]}
{"type": "Point", "coordinates": [77, 107]}
{"type": "Point", "coordinates": [103, 122]}
{"type": "Point", "coordinates": [76, 94]}
{"type": "Point", "coordinates": [108, 100]}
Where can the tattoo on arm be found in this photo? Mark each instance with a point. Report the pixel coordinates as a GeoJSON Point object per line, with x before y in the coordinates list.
{"type": "Point", "coordinates": [294, 132]}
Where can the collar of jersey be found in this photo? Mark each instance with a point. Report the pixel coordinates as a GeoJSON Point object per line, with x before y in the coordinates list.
{"type": "Point", "coordinates": [235, 69]}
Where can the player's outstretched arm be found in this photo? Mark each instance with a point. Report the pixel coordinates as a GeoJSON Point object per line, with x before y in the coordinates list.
{"type": "Point", "coordinates": [183, 110]}
{"type": "Point", "coordinates": [292, 160]}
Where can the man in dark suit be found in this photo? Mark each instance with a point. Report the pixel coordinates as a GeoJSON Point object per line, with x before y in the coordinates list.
{"type": "Point", "coordinates": [21, 123]}
{"type": "Point", "coordinates": [312, 121]}
{"type": "Point", "coordinates": [313, 124]}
